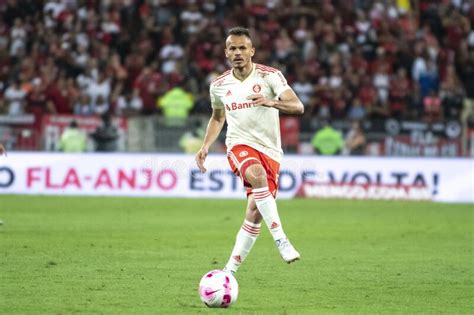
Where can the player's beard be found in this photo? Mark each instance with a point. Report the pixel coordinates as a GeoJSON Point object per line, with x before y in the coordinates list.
{"type": "Point", "coordinates": [240, 64]}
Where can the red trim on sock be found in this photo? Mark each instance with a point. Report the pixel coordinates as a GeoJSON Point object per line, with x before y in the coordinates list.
{"type": "Point", "coordinates": [256, 229]}
{"type": "Point", "coordinates": [260, 190]}
{"type": "Point", "coordinates": [262, 195]}
{"type": "Point", "coordinates": [256, 233]}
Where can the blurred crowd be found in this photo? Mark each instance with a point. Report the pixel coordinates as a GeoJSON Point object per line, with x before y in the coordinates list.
{"type": "Point", "coordinates": [346, 59]}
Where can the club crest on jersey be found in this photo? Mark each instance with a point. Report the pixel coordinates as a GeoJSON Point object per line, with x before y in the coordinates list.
{"type": "Point", "coordinates": [257, 88]}
{"type": "Point", "coordinates": [243, 154]}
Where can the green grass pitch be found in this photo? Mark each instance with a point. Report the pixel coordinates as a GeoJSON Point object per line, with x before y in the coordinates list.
{"type": "Point", "coordinates": [63, 255]}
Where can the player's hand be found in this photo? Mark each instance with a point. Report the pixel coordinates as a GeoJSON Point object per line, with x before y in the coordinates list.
{"type": "Point", "coordinates": [259, 99]}
{"type": "Point", "coordinates": [2, 150]}
{"type": "Point", "coordinates": [200, 158]}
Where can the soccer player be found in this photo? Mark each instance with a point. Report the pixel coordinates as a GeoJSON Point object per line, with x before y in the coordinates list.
{"type": "Point", "coordinates": [2, 150]}
{"type": "Point", "coordinates": [250, 97]}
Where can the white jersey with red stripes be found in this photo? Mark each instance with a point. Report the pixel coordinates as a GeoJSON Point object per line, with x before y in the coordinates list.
{"type": "Point", "coordinates": [255, 126]}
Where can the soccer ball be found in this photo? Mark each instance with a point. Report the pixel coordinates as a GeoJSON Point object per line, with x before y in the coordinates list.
{"type": "Point", "coordinates": [218, 289]}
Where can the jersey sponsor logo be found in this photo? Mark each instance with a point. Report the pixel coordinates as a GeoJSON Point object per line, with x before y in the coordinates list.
{"type": "Point", "coordinates": [229, 93]}
{"type": "Point", "coordinates": [257, 88]}
{"type": "Point", "coordinates": [236, 106]}
{"type": "Point", "coordinates": [243, 153]}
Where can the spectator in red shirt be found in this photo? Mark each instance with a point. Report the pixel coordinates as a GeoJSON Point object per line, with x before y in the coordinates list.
{"type": "Point", "coordinates": [150, 85]}
{"type": "Point", "coordinates": [38, 103]}
{"type": "Point", "coordinates": [451, 94]}
{"type": "Point", "coordinates": [399, 93]}
{"type": "Point", "coordinates": [432, 107]}
{"type": "Point", "coordinates": [367, 93]}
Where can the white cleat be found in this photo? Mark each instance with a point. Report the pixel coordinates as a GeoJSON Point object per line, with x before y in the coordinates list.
{"type": "Point", "coordinates": [287, 251]}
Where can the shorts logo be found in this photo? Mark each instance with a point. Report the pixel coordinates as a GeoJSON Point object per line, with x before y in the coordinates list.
{"type": "Point", "coordinates": [257, 88]}
{"type": "Point", "coordinates": [243, 153]}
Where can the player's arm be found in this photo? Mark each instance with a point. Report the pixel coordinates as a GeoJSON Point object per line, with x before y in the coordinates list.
{"type": "Point", "coordinates": [214, 127]}
{"type": "Point", "coordinates": [2, 150]}
{"type": "Point", "coordinates": [287, 103]}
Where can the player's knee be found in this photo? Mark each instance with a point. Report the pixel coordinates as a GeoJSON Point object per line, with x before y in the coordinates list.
{"type": "Point", "coordinates": [256, 175]}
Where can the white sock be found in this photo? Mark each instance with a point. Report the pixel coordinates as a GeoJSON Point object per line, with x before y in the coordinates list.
{"type": "Point", "coordinates": [244, 241]}
{"type": "Point", "coordinates": [266, 204]}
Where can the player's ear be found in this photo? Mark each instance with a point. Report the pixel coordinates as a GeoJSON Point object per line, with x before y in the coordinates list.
{"type": "Point", "coordinates": [252, 51]}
